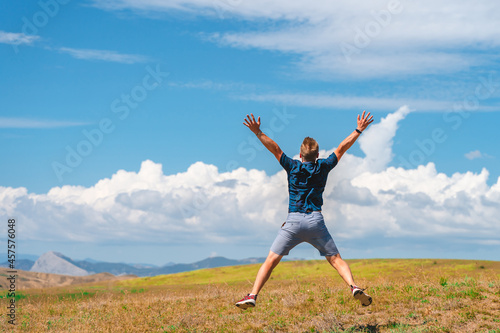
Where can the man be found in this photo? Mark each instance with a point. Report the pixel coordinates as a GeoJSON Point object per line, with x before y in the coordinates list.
{"type": "Point", "coordinates": [306, 183]}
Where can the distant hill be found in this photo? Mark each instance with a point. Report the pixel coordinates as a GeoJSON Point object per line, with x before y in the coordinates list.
{"type": "Point", "coordinates": [29, 280]}
{"type": "Point", "coordinates": [57, 263]}
{"type": "Point", "coordinates": [24, 264]}
{"type": "Point", "coordinates": [23, 261]}
{"type": "Point", "coordinates": [206, 263]}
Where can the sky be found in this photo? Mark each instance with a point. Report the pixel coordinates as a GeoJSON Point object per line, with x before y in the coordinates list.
{"type": "Point", "coordinates": [122, 137]}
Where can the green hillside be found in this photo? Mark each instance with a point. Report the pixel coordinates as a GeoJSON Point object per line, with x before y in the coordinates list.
{"type": "Point", "coordinates": [417, 295]}
{"type": "Point", "coordinates": [366, 269]}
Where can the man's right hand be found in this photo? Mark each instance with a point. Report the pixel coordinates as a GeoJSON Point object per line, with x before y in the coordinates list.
{"type": "Point", "coordinates": [253, 125]}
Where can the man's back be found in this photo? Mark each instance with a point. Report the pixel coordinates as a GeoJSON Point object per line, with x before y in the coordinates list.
{"type": "Point", "coordinates": [306, 182]}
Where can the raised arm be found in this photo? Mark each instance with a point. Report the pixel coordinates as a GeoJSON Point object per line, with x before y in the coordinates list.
{"type": "Point", "coordinates": [254, 126]}
{"type": "Point", "coordinates": [363, 123]}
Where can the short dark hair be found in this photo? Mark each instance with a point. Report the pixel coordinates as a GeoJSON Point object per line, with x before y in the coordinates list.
{"type": "Point", "coordinates": [309, 149]}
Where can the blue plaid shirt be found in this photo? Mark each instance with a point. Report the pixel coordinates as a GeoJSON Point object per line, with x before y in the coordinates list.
{"type": "Point", "coordinates": [306, 182]}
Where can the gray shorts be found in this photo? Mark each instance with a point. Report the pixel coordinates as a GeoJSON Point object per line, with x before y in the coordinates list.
{"type": "Point", "coordinates": [304, 227]}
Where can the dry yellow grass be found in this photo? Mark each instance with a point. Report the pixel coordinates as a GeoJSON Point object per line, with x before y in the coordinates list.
{"type": "Point", "coordinates": [409, 296]}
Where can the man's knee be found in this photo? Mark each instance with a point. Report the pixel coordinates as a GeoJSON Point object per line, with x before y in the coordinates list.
{"type": "Point", "coordinates": [334, 260]}
{"type": "Point", "coordinates": [273, 258]}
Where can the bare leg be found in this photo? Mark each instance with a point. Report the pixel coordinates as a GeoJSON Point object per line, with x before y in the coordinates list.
{"type": "Point", "coordinates": [265, 270]}
{"type": "Point", "coordinates": [342, 267]}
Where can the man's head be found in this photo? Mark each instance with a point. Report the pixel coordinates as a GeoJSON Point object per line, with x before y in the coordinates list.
{"type": "Point", "coordinates": [309, 150]}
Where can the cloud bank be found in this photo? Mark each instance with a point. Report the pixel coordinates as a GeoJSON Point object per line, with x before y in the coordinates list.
{"type": "Point", "coordinates": [364, 198]}
{"type": "Point", "coordinates": [369, 39]}
{"type": "Point", "coordinates": [327, 101]}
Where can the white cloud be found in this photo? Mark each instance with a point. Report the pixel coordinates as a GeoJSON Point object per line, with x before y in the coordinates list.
{"type": "Point", "coordinates": [378, 38]}
{"type": "Point", "coordinates": [472, 155]}
{"type": "Point", "coordinates": [364, 198]}
{"type": "Point", "coordinates": [346, 102]}
{"type": "Point", "coordinates": [104, 55]}
{"type": "Point", "coordinates": [16, 38]}
{"type": "Point", "coordinates": [9, 122]}
{"type": "Point", "coordinates": [212, 85]}
{"type": "Point", "coordinates": [321, 100]}
{"type": "Point", "coordinates": [376, 141]}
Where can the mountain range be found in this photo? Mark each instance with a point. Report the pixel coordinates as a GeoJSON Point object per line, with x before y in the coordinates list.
{"type": "Point", "coordinates": [57, 263]}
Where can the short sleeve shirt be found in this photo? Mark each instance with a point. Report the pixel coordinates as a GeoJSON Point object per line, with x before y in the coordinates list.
{"type": "Point", "coordinates": [306, 182]}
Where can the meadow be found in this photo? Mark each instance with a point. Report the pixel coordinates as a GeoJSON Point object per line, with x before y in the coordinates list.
{"type": "Point", "coordinates": [414, 295]}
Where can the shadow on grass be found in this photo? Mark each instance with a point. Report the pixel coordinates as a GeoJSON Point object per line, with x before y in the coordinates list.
{"type": "Point", "coordinates": [364, 328]}
{"type": "Point", "coordinates": [393, 327]}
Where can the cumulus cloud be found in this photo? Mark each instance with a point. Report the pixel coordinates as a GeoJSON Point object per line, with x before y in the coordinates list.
{"type": "Point", "coordinates": [377, 140]}
{"type": "Point", "coordinates": [364, 197]}
{"type": "Point", "coordinates": [367, 39]}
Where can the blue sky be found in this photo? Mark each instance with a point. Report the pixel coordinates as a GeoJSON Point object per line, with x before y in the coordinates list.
{"type": "Point", "coordinates": [94, 87]}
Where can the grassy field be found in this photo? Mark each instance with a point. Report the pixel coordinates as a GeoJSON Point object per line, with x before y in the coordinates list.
{"type": "Point", "coordinates": [304, 296]}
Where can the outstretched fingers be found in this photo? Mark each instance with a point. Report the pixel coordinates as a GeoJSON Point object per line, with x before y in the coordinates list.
{"type": "Point", "coordinates": [253, 119]}
{"type": "Point", "coordinates": [366, 118]}
{"type": "Point", "coordinates": [369, 119]}
{"type": "Point", "coordinates": [248, 121]}
{"type": "Point", "coordinates": [363, 117]}
{"type": "Point", "coordinates": [251, 123]}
